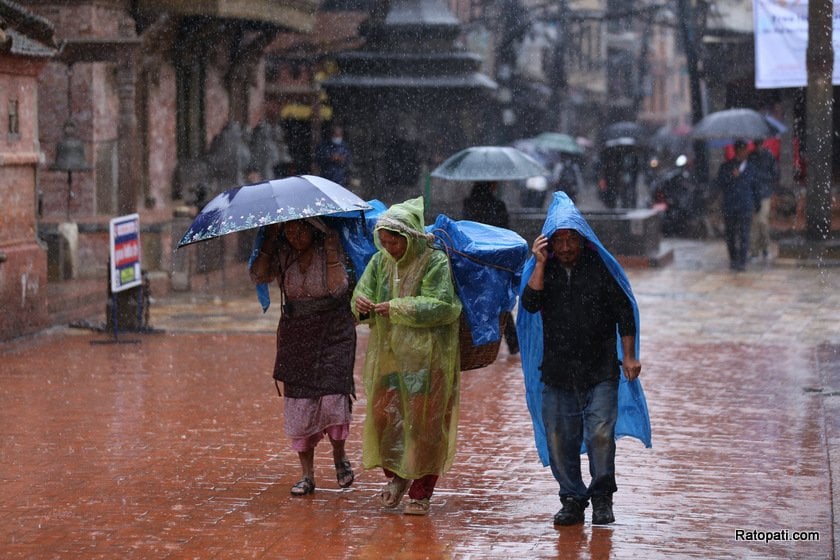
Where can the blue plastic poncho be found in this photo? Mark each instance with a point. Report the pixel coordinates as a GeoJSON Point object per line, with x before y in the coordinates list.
{"type": "Point", "coordinates": [633, 417]}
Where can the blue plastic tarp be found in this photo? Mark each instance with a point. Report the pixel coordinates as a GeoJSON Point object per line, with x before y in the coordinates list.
{"type": "Point", "coordinates": [486, 265]}
{"type": "Point", "coordinates": [356, 235]}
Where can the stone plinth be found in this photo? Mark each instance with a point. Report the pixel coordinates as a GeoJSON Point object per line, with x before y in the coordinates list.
{"type": "Point", "coordinates": [799, 251]}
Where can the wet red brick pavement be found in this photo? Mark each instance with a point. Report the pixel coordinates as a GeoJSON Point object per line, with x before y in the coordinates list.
{"type": "Point", "coordinates": [172, 447]}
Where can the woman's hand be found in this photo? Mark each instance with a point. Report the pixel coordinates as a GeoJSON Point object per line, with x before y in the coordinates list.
{"type": "Point", "coordinates": [364, 306]}
{"type": "Point", "coordinates": [383, 309]}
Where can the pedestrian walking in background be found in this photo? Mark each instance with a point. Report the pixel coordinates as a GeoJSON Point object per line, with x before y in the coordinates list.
{"type": "Point", "coordinates": [573, 358]}
{"type": "Point", "coordinates": [411, 372]}
{"type": "Point", "coordinates": [482, 205]}
{"type": "Point", "coordinates": [738, 182]}
{"type": "Point", "coordinates": [767, 179]}
{"type": "Point", "coordinates": [316, 340]}
{"type": "Point", "coordinates": [334, 157]}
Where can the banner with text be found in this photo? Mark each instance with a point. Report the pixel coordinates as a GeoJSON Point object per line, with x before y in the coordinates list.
{"type": "Point", "coordinates": [781, 38]}
{"type": "Point", "coordinates": [125, 253]}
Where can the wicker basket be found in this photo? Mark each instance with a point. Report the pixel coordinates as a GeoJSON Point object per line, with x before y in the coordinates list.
{"type": "Point", "coordinates": [472, 356]}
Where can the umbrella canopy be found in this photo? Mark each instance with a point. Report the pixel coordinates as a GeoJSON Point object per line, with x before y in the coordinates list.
{"type": "Point", "coordinates": [624, 133]}
{"type": "Point", "coordinates": [732, 123]}
{"type": "Point", "coordinates": [674, 140]}
{"type": "Point", "coordinates": [527, 146]}
{"type": "Point", "coordinates": [261, 204]}
{"type": "Point", "coordinates": [558, 142]}
{"type": "Point", "coordinates": [489, 163]}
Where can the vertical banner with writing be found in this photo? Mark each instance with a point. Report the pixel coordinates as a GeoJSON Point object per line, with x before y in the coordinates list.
{"type": "Point", "coordinates": [781, 39]}
{"type": "Point", "coordinates": [125, 252]}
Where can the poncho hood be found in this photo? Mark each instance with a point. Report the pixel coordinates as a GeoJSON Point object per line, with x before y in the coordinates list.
{"type": "Point", "coordinates": [633, 417]}
{"type": "Point", "coordinates": [406, 219]}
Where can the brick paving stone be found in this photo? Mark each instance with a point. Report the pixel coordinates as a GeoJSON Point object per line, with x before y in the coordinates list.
{"type": "Point", "coordinates": [173, 447]}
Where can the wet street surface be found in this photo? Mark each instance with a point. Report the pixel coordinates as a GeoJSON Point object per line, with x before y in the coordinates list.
{"type": "Point", "coordinates": [172, 446]}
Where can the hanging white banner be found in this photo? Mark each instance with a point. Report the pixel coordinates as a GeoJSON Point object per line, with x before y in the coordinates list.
{"type": "Point", "coordinates": [781, 39]}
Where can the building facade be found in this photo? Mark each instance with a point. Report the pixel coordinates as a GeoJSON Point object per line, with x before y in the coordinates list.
{"type": "Point", "coordinates": [165, 97]}
{"type": "Point", "coordinates": [26, 45]}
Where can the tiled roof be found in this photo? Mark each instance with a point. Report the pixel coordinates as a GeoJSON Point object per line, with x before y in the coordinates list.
{"type": "Point", "coordinates": [24, 33]}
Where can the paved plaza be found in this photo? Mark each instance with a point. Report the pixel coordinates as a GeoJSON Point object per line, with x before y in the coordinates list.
{"type": "Point", "coordinates": [169, 445]}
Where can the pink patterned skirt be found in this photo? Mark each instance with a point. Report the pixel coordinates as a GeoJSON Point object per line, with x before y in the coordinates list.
{"type": "Point", "coordinates": [307, 420]}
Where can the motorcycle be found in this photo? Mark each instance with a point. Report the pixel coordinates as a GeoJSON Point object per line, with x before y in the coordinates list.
{"type": "Point", "coordinates": [683, 206]}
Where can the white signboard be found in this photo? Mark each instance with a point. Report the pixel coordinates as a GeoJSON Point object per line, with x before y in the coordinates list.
{"type": "Point", "coordinates": [125, 253]}
{"type": "Point", "coordinates": [781, 38]}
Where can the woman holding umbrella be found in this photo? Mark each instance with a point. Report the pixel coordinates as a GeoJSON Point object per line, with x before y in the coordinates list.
{"type": "Point", "coordinates": [316, 340]}
{"type": "Point", "coordinates": [411, 371]}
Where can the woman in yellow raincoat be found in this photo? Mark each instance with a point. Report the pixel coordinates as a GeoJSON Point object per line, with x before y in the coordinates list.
{"type": "Point", "coordinates": [411, 371]}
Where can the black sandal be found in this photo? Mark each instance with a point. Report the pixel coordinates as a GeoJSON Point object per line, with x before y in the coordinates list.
{"type": "Point", "coordinates": [344, 474]}
{"type": "Point", "coordinates": [303, 487]}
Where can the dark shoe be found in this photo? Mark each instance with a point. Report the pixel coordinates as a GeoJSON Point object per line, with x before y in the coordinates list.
{"type": "Point", "coordinates": [602, 512]}
{"type": "Point", "coordinates": [572, 512]}
{"type": "Point", "coordinates": [303, 487]}
{"type": "Point", "coordinates": [344, 474]}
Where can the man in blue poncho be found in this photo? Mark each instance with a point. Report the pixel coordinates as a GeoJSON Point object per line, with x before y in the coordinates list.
{"type": "Point", "coordinates": [582, 299]}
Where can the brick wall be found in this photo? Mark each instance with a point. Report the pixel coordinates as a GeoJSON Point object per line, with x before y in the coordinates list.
{"type": "Point", "coordinates": [23, 262]}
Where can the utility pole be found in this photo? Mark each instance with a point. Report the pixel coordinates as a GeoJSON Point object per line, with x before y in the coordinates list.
{"type": "Point", "coordinates": [819, 121]}
{"type": "Point", "coordinates": [558, 77]}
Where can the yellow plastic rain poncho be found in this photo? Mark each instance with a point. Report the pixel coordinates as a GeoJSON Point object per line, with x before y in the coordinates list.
{"type": "Point", "coordinates": [411, 371]}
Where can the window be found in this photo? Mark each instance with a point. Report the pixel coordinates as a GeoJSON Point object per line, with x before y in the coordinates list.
{"type": "Point", "coordinates": [14, 118]}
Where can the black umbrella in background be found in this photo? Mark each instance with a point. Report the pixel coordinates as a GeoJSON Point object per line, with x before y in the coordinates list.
{"type": "Point", "coordinates": [623, 133]}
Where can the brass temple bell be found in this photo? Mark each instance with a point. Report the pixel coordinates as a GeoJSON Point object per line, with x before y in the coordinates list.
{"type": "Point", "coordinates": [70, 152]}
{"type": "Point", "coordinates": [70, 157]}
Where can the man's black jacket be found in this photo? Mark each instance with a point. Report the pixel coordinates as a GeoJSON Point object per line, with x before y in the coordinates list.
{"type": "Point", "coordinates": [580, 313]}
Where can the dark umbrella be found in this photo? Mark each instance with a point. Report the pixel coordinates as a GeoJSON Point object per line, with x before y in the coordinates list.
{"type": "Point", "coordinates": [489, 163]}
{"type": "Point", "coordinates": [261, 204]}
{"type": "Point", "coordinates": [676, 140]}
{"type": "Point", "coordinates": [624, 133]}
{"type": "Point", "coordinates": [732, 123]}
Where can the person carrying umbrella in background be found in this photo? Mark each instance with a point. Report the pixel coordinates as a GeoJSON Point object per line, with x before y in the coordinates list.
{"type": "Point", "coordinates": [741, 198]}
{"type": "Point", "coordinates": [767, 178]}
{"type": "Point", "coordinates": [411, 373]}
{"type": "Point", "coordinates": [316, 340]}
